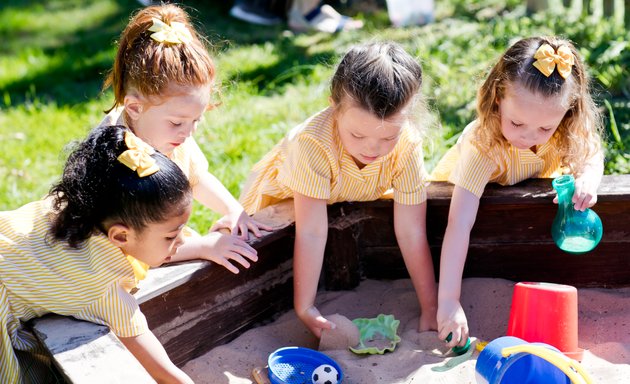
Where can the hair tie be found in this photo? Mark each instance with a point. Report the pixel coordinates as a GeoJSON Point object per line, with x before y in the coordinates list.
{"type": "Point", "coordinates": [547, 60]}
{"type": "Point", "coordinates": [138, 156]}
{"type": "Point", "coordinates": [175, 33]}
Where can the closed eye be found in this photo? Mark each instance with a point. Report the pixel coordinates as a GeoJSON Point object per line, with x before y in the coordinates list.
{"type": "Point", "coordinates": [175, 124]}
{"type": "Point", "coordinates": [545, 129]}
{"type": "Point", "coordinates": [516, 125]}
{"type": "Point", "coordinates": [356, 136]}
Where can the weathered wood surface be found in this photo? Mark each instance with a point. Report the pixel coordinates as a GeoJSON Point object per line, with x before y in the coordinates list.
{"type": "Point", "coordinates": [511, 237]}
{"type": "Point", "coordinates": [86, 352]}
{"type": "Point", "coordinates": [191, 307]}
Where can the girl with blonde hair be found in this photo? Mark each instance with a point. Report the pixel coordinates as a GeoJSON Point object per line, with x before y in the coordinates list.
{"type": "Point", "coordinates": [536, 118]}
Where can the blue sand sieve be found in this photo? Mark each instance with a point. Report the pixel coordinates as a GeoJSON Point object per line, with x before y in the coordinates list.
{"type": "Point", "coordinates": [295, 365]}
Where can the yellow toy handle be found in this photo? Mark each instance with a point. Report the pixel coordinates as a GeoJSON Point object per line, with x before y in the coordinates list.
{"type": "Point", "coordinates": [570, 367]}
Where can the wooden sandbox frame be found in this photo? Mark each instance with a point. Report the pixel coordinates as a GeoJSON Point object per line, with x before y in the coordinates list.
{"type": "Point", "coordinates": [195, 306]}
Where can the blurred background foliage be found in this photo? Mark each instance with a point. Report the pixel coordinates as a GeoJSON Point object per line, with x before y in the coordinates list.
{"type": "Point", "coordinates": [55, 54]}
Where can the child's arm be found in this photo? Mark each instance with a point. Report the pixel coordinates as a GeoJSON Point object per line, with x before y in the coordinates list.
{"type": "Point", "coordinates": [411, 233]}
{"type": "Point", "coordinates": [210, 192]}
{"type": "Point", "coordinates": [151, 354]}
{"type": "Point", "coordinates": [219, 248]}
{"type": "Point", "coordinates": [461, 217]}
{"type": "Point", "coordinates": [311, 233]}
{"type": "Point", "coordinates": [586, 184]}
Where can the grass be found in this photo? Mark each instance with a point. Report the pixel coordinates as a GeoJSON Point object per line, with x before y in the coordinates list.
{"type": "Point", "coordinates": [55, 54]}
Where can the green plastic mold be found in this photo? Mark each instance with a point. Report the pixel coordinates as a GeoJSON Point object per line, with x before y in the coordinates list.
{"type": "Point", "coordinates": [377, 335]}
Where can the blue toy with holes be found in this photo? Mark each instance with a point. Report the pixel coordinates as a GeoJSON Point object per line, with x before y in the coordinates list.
{"type": "Point", "coordinates": [296, 365]}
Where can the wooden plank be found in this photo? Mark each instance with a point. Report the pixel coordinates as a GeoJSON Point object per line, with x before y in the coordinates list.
{"type": "Point", "coordinates": [213, 306]}
{"type": "Point", "coordinates": [193, 307]}
{"type": "Point", "coordinates": [512, 230]}
{"type": "Point", "coordinates": [216, 301]}
{"type": "Point", "coordinates": [88, 353]}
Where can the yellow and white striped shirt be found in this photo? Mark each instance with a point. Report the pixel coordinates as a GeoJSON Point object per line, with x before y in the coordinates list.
{"type": "Point", "coordinates": [187, 156]}
{"type": "Point", "coordinates": [311, 161]}
{"type": "Point", "coordinates": [40, 275]}
{"type": "Point", "coordinates": [468, 167]}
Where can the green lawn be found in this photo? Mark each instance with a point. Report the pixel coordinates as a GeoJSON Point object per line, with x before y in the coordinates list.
{"type": "Point", "coordinates": [54, 55]}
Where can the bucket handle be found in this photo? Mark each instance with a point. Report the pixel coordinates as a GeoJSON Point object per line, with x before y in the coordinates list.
{"type": "Point", "coordinates": [570, 367]}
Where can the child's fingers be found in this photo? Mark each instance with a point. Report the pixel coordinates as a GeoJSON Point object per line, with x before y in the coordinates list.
{"type": "Point", "coordinates": [263, 226]}
{"type": "Point", "coordinates": [243, 230]}
{"type": "Point", "coordinates": [242, 245]}
{"type": "Point", "coordinates": [229, 266]}
{"type": "Point", "coordinates": [244, 252]}
{"type": "Point", "coordinates": [254, 228]}
{"type": "Point", "coordinates": [234, 256]}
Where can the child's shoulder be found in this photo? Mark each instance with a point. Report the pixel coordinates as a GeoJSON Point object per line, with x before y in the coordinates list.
{"type": "Point", "coordinates": [113, 117]}
{"type": "Point", "coordinates": [318, 127]}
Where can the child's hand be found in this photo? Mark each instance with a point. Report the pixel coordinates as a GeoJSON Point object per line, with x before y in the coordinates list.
{"type": "Point", "coordinates": [585, 194]}
{"type": "Point", "coordinates": [226, 249]}
{"type": "Point", "coordinates": [315, 322]}
{"type": "Point", "coordinates": [452, 319]}
{"type": "Point", "coordinates": [239, 224]}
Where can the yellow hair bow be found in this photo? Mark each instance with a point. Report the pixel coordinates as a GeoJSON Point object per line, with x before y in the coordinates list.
{"type": "Point", "coordinates": [138, 156]}
{"type": "Point", "coordinates": [175, 33]}
{"type": "Point", "coordinates": [547, 60]}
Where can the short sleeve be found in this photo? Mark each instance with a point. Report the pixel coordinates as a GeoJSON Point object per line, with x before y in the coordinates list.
{"type": "Point", "coordinates": [198, 161]}
{"type": "Point", "coordinates": [118, 310]}
{"type": "Point", "coordinates": [410, 180]}
{"type": "Point", "coordinates": [473, 170]}
{"type": "Point", "coordinates": [307, 168]}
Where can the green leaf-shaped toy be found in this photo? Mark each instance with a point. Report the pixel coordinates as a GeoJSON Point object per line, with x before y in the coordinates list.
{"type": "Point", "coordinates": [378, 335]}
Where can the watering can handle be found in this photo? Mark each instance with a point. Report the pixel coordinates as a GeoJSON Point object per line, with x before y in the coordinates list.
{"type": "Point", "coordinates": [570, 367]}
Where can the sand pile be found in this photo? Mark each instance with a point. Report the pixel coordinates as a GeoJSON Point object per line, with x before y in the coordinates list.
{"type": "Point", "coordinates": [604, 331]}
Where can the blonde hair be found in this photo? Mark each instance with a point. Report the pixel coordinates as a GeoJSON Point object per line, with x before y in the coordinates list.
{"type": "Point", "coordinates": [579, 133]}
{"type": "Point", "coordinates": [148, 66]}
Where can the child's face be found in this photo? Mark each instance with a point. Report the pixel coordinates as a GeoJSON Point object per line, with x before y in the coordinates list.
{"type": "Point", "coordinates": [367, 137]}
{"type": "Point", "coordinates": [528, 119]}
{"type": "Point", "coordinates": [167, 125]}
{"type": "Point", "coordinates": [157, 242]}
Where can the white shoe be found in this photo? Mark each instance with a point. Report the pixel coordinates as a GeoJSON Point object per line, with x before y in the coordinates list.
{"type": "Point", "coordinates": [254, 15]}
{"type": "Point", "coordinates": [322, 18]}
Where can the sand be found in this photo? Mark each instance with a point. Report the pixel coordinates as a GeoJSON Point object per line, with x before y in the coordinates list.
{"type": "Point", "coordinates": [604, 333]}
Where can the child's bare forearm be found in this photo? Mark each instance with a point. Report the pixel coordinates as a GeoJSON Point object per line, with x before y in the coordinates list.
{"type": "Point", "coordinates": [210, 192]}
{"type": "Point", "coordinates": [151, 354]}
{"type": "Point", "coordinates": [410, 228]}
{"type": "Point", "coordinates": [311, 232]}
{"type": "Point", "coordinates": [461, 218]}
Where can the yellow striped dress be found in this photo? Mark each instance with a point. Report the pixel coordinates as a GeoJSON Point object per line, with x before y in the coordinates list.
{"type": "Point", "coordinates": [311, 161]}
{"type": "Point", "coordinates": [471, 168]}
{"type": "Point", "coordinates": [40, 275]}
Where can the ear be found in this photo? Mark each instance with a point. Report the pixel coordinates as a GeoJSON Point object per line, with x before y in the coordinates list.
{"type": "Point", "coordinates": [332, 102]}
{"type": "Point", "coordinates": [119, 235]}
{"type": "Point", "coordinates": [133, 106]}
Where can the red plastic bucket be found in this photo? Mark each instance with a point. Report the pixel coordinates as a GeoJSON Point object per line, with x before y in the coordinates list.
{"type": "Point", "coordinates": [546, 313]}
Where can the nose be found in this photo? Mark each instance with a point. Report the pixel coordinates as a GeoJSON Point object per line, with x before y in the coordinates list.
{"type": "Point", "coordinates": [178, 241]}
{"type": "Point", "coordinates": [187, 130]}
{"type": "Point", "coordinates": [373, 147]}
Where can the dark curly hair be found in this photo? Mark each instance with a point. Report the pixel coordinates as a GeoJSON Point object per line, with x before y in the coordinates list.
{"type": "Point", "coordinates": [97, 189]}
